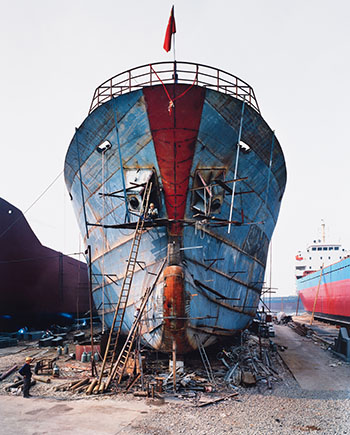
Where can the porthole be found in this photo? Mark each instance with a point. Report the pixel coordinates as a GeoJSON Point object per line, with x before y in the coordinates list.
{"type": "Point", "coordinates": [134, 202]}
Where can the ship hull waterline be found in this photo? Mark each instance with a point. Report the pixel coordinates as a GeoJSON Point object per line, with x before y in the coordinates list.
{"type": "Point", "coordinates": [327, 294]}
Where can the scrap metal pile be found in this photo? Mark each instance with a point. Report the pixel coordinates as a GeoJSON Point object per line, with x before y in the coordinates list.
{"type": "Point", "coordinates": [253, 361]}
{"type": "Point", "coordinates": [250, 361]}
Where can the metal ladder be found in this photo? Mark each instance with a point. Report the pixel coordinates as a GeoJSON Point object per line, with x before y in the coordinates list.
{"type": "Point", "coordinates": [119, 366]}
{"type": "Point", "coordinates": [120, 309]}
{"type": "Point", "coordinates": [205, 360]}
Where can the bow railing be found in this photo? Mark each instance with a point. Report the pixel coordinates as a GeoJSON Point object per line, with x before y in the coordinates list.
{"type": "Point", "coordinates": [174, 72]}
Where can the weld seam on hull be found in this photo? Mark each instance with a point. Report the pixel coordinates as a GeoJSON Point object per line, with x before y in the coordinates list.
{"type": "Point", "coordinates": [231, 244]}
{"type": "Point", "coordinates": [224, 305]}
{"type": "Point", "coordinates": [220, 333]}
{"type": "Point", "coordinates": [126, 240]}
{"type": "Point", "coordinates": [219, 272]}
{"type": "Point", "coordinates": [245, 181]}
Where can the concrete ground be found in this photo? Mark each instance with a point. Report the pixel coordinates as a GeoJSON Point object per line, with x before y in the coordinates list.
{"type": "Point", "coordinates": [39, 416]}
{"type": "Point", "coordinates": [314, 368]}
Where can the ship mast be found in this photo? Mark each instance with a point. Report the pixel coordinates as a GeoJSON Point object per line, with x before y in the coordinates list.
{"type": "Point", "coordinates": [323, 226]}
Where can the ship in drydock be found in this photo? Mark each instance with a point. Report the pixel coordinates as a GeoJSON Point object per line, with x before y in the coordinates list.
{"type": "Point", "coordinates": [323, 280]}
{"type": "Point", "coordinates": [176, 181]}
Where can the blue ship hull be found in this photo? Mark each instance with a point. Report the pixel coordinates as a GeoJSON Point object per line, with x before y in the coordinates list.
{"type": "Point", "coordinates": [212, 233]}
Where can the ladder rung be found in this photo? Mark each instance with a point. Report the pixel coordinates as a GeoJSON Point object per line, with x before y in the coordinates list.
{"type": "Point", "coordinates": [117, 371]}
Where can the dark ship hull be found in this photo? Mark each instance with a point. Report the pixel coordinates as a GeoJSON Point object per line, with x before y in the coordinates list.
{"type": "Point", "coordinates": [39, 286]}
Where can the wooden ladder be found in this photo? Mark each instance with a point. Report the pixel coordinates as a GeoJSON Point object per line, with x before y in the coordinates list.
{"type": "Point", "coordinates": [114, 333]}
{"type": "Point", "coordinates": [119, 366]}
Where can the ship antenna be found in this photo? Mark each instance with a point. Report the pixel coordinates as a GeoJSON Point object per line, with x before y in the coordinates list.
{"type": "Point", "coordinates": [173, 35]}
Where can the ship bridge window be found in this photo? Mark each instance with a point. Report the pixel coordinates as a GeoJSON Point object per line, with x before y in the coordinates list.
{"type": "Point", "coordinates": [331, 248]}
{"type": "Point", "coordinates": [208, 191]}
{"type": "Point", "coordinates": [325, 248]}
{"type": "Point", "coordinates": [336, 248]}
{"type": "Point", "coordinates": [314, 249]}
{"type": "Point", "coordinates": [319, 249]}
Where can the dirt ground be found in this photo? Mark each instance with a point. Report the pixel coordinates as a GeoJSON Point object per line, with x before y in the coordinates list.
{"type": "Point", "coordinates": [284, 407]}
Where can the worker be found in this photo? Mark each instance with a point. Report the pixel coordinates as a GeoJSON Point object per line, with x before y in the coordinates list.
{"type": "Point", "coordinates": [152, 212]}
{"type": "Point", "coordinates": [26, 372]}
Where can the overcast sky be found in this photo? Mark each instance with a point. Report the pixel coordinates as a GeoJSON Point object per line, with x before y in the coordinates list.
{"type": "Point", "coordinates": [295, 55]}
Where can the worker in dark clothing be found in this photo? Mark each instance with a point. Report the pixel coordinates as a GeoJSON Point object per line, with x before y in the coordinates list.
{"type": "Point", "coordinates": [27, 376]}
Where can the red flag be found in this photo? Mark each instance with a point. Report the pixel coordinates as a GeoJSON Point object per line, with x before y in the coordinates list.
{"type": "Point", "coordinates": [169, 31]}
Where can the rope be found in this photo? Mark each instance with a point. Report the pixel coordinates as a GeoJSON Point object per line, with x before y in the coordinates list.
{"type": "Point", "coordinates": [172, 100]}
{"type": "Point", "coordinates": [44, 257]}
{"type": "Point", "coordinates": [39, 197]}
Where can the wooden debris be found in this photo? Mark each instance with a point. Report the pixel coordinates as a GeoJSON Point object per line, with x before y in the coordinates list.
{"type": "Point", "coordinates": [102, 388]}
{"type": "Point", "coordinates": [46, 380]}
{"type": "Point", "coordinates": [219, 399]}
{"type": "Point", "coordinates": [81, 389]}
{"type": "Point", "coordinates": [14, 385]}
{"type": "Point", "coordinates": [18, 384]}
{"type": "Point", "coordinates": [74, 383]}
{"type": "Point", "coordinates": [140, 393]}
{"type": "Point", "coordinates": [8, 372]}
{"type": "Point", "coordinates": [96, 390]}
{"type": "Point", "coordinates": [80, 383]}
{"type": "Point", "coordinates": [133, 382]}
{"type": "Point", "coordinates": [91, 386]}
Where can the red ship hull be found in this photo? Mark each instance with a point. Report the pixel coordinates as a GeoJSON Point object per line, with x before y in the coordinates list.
{"type": "Point", "coordinates": [39, 286]}
{"type": "Point", "coordinates": [330, 293]}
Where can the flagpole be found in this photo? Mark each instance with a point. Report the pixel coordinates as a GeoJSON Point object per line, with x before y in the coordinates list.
{"type": "Point", "coordinates": [174, 46]}
{"type": "Point", "coordinates": [175, 69]}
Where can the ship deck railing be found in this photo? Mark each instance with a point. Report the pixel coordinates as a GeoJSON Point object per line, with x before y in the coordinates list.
{"type": "Point", "coordinates": [174, 72]}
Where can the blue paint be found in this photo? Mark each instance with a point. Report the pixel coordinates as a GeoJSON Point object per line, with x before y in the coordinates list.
{"type": "Point", "coordinates": [238, 277]}
{"type": "Point", "coordinates": [127, 217]}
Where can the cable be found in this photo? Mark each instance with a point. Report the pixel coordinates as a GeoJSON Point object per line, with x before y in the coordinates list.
{"type": "Point", "coordinates": [44, 257]}
{"type": "Point", "coordinates": [39, 197]}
